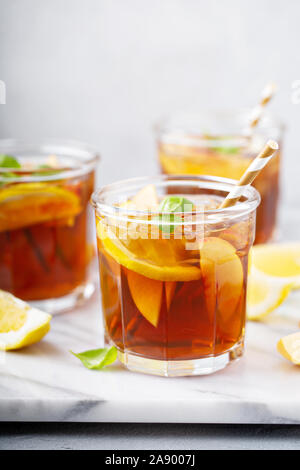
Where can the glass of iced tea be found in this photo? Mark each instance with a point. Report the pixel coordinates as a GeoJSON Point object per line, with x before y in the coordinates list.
{"type": "Point", "coordinates": [216, 144]}
{"type": "Point", "coordinates": [173, 272]}
{"type": "Point", "coordinates": [46, 248]}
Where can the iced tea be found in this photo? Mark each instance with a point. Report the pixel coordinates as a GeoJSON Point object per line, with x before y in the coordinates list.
{"type": "Point", "coordinates": [45, 244]}
{"type": "Point", "coordinates": [174, 284]}
{"type": "Point", "coordinates": [187, 150]}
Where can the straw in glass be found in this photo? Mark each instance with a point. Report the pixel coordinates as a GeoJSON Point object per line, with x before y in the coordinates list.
{"type": "Point", "coordinates": [266, 96]}
{"type": "Point", "coordinates": [251, 173]}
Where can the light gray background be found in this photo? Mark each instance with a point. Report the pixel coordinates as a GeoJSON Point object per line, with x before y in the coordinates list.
{"type": "Point", "coordinates": [103, 71]}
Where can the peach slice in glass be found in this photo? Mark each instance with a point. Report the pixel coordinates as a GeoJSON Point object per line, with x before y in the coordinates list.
{"type": "Point", "coordinates": [222, 276]}
{"type": "Point", "coordinates": [146, 198]}
{"type": "Point", "coordinates": [147, 295]}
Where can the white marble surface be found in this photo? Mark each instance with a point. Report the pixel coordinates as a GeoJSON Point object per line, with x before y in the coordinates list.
{"type": "Point", "coordinates": [46, 383]}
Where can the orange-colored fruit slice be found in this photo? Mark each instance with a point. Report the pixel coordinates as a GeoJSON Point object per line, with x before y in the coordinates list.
{"type": "Point", "coordinates": [26, 204]}
{"type": "Point", "coordinates": [231, 326]}
{"type": "Point", "coordinates": [222, 275]}
{"type": "Point", "coordinates": [147, 295]}
{"type": "Point", "coordinates": [170, 288]}
{"type": "Point", "coordinates": [110, 280]}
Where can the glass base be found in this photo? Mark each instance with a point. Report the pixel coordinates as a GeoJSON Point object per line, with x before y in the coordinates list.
{"type": "Point", "coordinates": [203, 366]}
{"type": "Point", "coordinates": [62, 304]}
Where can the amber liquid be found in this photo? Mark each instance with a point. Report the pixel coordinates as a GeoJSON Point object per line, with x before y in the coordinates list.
{"type": "Point", "coordinates": [48, 259]}
{"type": "Point", "coordinates": [177, 159]}
{"type": "Point", "coordinates": [197, 319]}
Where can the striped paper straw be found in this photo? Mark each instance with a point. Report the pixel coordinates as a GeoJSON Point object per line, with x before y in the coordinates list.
{"type": "Point", "coordinates": [266, 96]}
{"type": "Point", "coordinates": [251, 173]}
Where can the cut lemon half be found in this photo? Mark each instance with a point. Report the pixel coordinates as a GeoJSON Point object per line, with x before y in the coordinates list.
{"type": "Point", "coordinates": [20, 325]}
{"type": "Point", "coordinates": [26, 204]}
{"type": "Point", "coordinates": [289, 347]}
{"type": "Point", "coordinates": [120, 253]}
{"type": "Point", "coordinates": [265, 294]}
{"type": "Point", "coordinates": [278, 260]}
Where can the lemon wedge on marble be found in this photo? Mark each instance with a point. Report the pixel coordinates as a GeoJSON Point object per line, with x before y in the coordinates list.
{"type": "Point", "coordinates": [20, 324]}
{"type": "Point", "coordinates": [274, 272]}
{"type": "Point", "coordinates": [289, 347]}
{"type": "Point", "coordinates": [279, 260]}
{"type": "Point", "coordinates": [265, 294]}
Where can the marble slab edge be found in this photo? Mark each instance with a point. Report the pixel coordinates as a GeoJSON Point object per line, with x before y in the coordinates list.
{"type": "Point", "coordinates": [95, 410]}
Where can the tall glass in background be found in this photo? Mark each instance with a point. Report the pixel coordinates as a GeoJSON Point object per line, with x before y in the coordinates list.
{"type": "Point", "coordinates": [214, 143]}
{"type": "Point", "coordinates": [46, 246]}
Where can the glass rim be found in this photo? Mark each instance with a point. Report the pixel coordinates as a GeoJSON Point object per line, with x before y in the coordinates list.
{"type": "Point", "coordinates": [208, 182]}
{"type": "Point", "coordinates": [71, 148]}
{"type": "Point", "coordinates": [177, 123]}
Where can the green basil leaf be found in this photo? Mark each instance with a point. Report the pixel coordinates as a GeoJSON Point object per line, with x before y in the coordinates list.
{"type": "Point", "coordinates": [97, 358]}
{"type": "Point", "coordinates": [175, 204]}
{"type": "Point", "coordinates": [171, 205]}
{"type": "Point", "coordinates": [8, 174]}
{"type": "Point", "coordinates": [166, 220]}
{"type": "Point", "coordinates": [46, 173]}
{"type": "Point", "coordinates": [8, 161]}
{"type": "Point", "coordinates": [51, 171]}
{"type": "Point", "coordinates": [226, 150]}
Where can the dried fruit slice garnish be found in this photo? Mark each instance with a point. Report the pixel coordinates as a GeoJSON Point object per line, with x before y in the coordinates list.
{"type": "Point", "coordinates": [25, 204]}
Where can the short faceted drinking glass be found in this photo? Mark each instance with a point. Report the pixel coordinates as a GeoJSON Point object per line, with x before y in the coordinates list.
{"type": "Point", "coordinates": [217, 143]}
{"type": "Point", "coordinates": [46, 246]}
{"type": "Point", "coordinates": [173, 272]}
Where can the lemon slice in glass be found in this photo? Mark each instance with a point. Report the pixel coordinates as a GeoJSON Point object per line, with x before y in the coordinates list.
{"type": "Point", "coordinates": [265, 294]}
{"type": "Point", "coordinates": [20, 325]}
{"type": "Point", "coordinates": [120, 253]}
{"type": "Point", "coordinates": [26, 204]}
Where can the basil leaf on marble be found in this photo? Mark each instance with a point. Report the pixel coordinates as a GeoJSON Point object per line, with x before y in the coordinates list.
{"type": "Point", "coordinates": [97, 358]}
